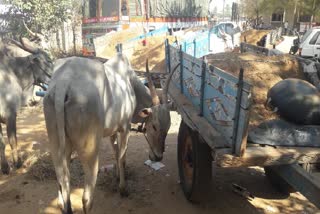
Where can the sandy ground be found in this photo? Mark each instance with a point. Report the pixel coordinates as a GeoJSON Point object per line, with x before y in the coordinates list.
{"type": "Point", "coordinates": [33, 189]}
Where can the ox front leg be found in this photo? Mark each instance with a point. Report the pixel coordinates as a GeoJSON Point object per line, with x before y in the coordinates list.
{"type": "Point", "coordinates": [12, 138]}
{"type": "Point", "coordinates": [4, 163]}
{"type": "Point", "coordinates": [124, 137]}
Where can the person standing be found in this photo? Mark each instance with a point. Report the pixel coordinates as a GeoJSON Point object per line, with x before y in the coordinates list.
{"type": "Point", "coordinates": [286, 27]}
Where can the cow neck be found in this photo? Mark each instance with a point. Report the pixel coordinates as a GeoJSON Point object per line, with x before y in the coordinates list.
{"type": "Point", "coordinates": [142, 93]}
{"type": "Point", "coordinates": [143, 97]}
{"type": "Point", "coordinates": [22, 68]}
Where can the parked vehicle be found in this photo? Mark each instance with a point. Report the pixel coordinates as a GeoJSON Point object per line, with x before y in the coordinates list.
{"type": "Point", "coordinates": [215, 110]}
{"type": "Point", "coordinates": [227, 27]}
{"type": "Point", "coordinates": [310, 43]}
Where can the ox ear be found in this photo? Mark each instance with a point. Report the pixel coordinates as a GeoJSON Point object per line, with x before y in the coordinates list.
{"type": "Point", "coordinates": [171, 106]}
{"type": "Point", "coordinates": [29, 46]}
{"type": "Point", "coordinates": [146, 112]}
{"type": "Point", "coordinates": [33, 58]}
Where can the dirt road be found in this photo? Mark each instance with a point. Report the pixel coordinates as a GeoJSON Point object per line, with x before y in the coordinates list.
{"type": "Point", "coordinates": [33, 189]}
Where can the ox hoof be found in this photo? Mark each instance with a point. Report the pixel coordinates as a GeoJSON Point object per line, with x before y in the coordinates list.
{"type": "Point", "coordinates": [68, 212]}
{"type": "Point", "coordinates": [124, 192]}
{"type": "Point", "coordinates": [5, 168]}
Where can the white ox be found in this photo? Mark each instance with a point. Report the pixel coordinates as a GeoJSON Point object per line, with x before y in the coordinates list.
{"type": "Point", "coordinates": [88, 100]}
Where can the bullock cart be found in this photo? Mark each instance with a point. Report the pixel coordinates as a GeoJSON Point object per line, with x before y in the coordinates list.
{"type": "Point", "coordinates": [215, 110]}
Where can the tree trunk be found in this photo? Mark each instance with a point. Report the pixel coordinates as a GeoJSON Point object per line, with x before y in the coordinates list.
{"type": "Point", "coordinates": [295, 14]}
{"type": "Point", "coordinates": [313, 13]}
{"type": "Point", "coordinates": [63, 35]}
{"type": "Point", "coordinates": [74, 39]}
{"type": "Point", "coordinates": [58, 40]}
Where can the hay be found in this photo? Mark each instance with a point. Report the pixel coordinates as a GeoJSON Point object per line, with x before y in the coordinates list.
{"type": "Point", "coordinates": [253, 36]}
{"type": "Point", "coordinates": [41, 167]}
{"type": "Point", "coordinates": [262, 72]}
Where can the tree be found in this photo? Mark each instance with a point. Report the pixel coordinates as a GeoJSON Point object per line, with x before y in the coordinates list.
{"type": "Point", "coordinates": [227, 10]}
{"type": "Point", "coordinates": [254, 9]}
{"type": "Point", "coordinates": [75, 17]}
{"type": "Point", "coordinates": [42, 15]}
{"type": "Point", "coordinates": [215, 10]}
{"type": "Point", "coordinates": [174, 9]}
{"type": "Point", "coordinates": [310, 7]}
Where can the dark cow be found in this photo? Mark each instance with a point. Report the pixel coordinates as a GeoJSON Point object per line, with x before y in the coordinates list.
{"type": "Point", "coordinates": [17, 75]}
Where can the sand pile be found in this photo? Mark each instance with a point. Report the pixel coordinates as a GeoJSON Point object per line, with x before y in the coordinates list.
{"type": "Point", "coordinates": [253, 36]}
{"type": "Point", "coordinates": [105, 45]}
{"type": "Point", "coordinates": [154, 50]}
{"type": "Point", "coordinates": [262, 72]}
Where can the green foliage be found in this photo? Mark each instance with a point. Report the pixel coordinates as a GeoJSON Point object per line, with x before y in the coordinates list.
{"type": "Point", "coordinates": [310, 7]}
{"type": "Point", "coordinates": [43, 16]}
{"type": "Point", "coordinates": [254, 7]}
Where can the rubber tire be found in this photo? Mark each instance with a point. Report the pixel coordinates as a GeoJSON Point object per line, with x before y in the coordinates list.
{"type": "Point", "coordinates": [201, 162]}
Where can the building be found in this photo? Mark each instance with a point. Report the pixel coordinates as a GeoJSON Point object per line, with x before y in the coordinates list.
{"type": "Point", "coordinates": [103, 16]}
{"type": "Point", "coordinates": [296, 19]}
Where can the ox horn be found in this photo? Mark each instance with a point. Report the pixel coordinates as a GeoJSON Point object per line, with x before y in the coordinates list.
{"type": "Point", "coordinates": [167, 83]}
{"type": "Point", "coordinates": [36, 35]}
{"type": "Point", "coordinates": [16, 43]}
{"type": "Point", "coordinates": [27, 46]}
{"type": "Point", "coordinates": [155, 98]}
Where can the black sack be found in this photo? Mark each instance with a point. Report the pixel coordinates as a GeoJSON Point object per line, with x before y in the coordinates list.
{"type": "Point", "coordinates": [296, 101]}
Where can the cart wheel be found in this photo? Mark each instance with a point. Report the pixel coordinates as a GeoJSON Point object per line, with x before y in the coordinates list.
{"type": "Point", "coordinates": [195, 164]}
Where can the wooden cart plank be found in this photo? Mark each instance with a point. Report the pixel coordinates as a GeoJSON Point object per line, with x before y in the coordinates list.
{"type": "Point", "coordinates": [242, 132]}
{"type": "Point", "coordinates": [267, 155]}
{"type": "Point", "coordinates": [302, 181]}
{"type": "Point", "coordinates": [196, 122]}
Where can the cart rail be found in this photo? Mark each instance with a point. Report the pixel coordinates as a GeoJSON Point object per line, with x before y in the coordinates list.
{"type": "Point", "coordinates": [306, 183]}
{"type": "Point", "coordinates": [267, 155]}
{"type": "Point", "coordinates": [221, 100]}
{"type": "Point", "coordinates": [215, 106]}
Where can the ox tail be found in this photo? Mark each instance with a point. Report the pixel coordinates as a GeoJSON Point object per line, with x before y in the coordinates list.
{"type": "Point", "coordinates": [64, 181]}
{"type": "Point", "coordinates": [60, 95]}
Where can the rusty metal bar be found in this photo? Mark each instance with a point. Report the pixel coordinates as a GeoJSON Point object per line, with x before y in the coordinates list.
{"type": "Point", "coordinates": [181, 70]}
{"type": "Point", "coordinates": [168, 56]}
{"type": "Point", "coordinates": [203, 84]}
{"type": "Point", "coordinates": [237, 111]}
